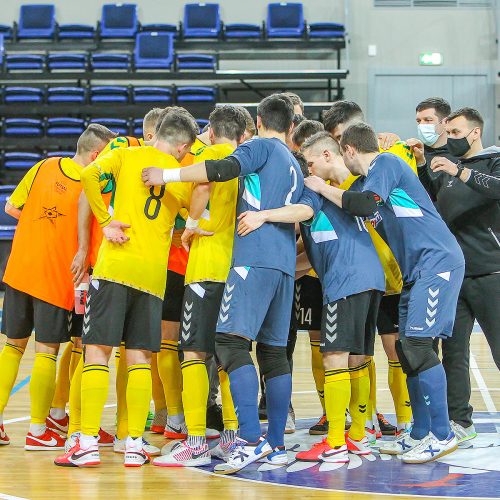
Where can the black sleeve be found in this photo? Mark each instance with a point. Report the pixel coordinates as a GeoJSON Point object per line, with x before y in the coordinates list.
{"type": "Point", "coordinates": [360, 204]}
{"type": "Point", "coordinates": [426, 181]}
{"type": "Point", "coordinates": [222, 170]}
{"type": "Point", "coordinates": [487, 185]}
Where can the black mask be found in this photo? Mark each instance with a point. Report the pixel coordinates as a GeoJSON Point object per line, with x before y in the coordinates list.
{"type": "Point", "coordinates": [458, 147]}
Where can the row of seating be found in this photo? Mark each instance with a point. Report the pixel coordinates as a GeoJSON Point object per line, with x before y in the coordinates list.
{"type": "Point", "coordinates": [7, 223]}
{"type": "Point", "coordinates": [106, 94]}
{"type": "Point", "coordinates": [201, 20]}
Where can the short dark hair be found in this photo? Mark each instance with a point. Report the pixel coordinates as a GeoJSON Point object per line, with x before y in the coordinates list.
{"type": "Point", "coordinates": [250, 124]}
{"type": "Point", "coordinates": [296, 100]}
{"type": "Point", "coordinates": [471, 115]}
{"type": "Point", "coordinates": [276, 112]}
{"type": "Point", "coordinates": [341, 112]}
{"type": "Point", "coordinates": [442, 107]}
{"type": "Point", "coordinates": [361, 137]}
{"type": "Point", "coordinates": [227, 121]}
{"type": "Point", "coordinates": [301, 160]}
{"type": "Point", "coordinates": [304, 130]}
{"type": "Point", "coordinates": [298, 119]}
{"type": "Point", "coordinates": [178, 127]}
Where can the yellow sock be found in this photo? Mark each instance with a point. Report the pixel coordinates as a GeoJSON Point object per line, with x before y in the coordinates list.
{"type": "Point", "coordinates": [121, 394]}
{"type": "Point", "coordinates": [61, 394]}
{"type": "Point", "coordinates": [169, 369]}
{"type": "Point", "coordinates": [42, 386]}
{"type": "Point", "coordinates": [360, 394]}
{"type": "Point", "coordinates": [372, 401]}
{"type": "Point", "coordinates": [228, 412]}
{"type": "Point", "coordinates": [95, 385]}
{"type": "Point", "coordinates": [318, 371]}
{"type": "Point", "coordinates": [195, 396]}
{"type": "Point", "coordinates": [158, 392]}
{"type": "Point", "coordinates": [76, 356]}
{"type": "Point", "coordinates": [399, 391]}
{"type": "Point", "coordinates": [10, 358]}
{"type": "Point", "coordinates": [138, 398]}
{"type": "Point", "coordinates": [337, 395]}
{"type": "Point", "coordinates": [75, 399]}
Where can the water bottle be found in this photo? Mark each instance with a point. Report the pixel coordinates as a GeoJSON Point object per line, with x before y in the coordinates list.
{"type": "Point", "coordinates": [81, 294]}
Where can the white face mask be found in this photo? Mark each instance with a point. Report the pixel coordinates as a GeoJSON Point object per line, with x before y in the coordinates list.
{"type": "Point", "coordinates": [427, 134]}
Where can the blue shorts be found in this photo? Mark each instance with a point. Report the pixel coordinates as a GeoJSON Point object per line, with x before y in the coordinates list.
{"type": "Point", "coordinates": [427, 307]}
{"type": "Point", "coordinates": [257, 304]}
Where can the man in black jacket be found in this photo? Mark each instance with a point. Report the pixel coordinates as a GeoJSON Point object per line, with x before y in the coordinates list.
{"type": "Point", "coordinates": [468, 199]}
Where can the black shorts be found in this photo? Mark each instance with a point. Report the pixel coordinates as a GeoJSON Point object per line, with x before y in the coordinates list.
{"type": "Point", "coordinates": [388, 314]}
{"type": "Point", "coordinates": [76, 325]}
{"type": "Point", "coordinates": [172, 302]}
{"type": "Point", "coordinates": [200, 311]}
{"type": "Point", "coordinates": [117, 312]}
{"type": "Point", "coordinates": [308, 303]}
{"type": "Point", "coordinates": [22, 313]}
{"type": "Point", "coordinates": [348, 325]}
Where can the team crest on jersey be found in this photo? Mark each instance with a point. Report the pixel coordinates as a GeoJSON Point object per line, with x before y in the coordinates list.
{"type": "Point", "coordinates": [60, 187]}
{"type": "Point", "coordinates": [51, 214]}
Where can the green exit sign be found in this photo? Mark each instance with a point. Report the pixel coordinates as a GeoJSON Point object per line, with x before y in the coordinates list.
{"type": "Point", "coordinates": [430, 59]}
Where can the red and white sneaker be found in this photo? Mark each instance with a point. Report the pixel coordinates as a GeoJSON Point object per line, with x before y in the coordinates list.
{"type": "Point", "coordinates": [314, 454]}
{"type": "Point", "coordinates": [175, 431]}
{"type": "Point", "coordinates": [4, 439]}
{"type": "Point", "coordinates": [135, 454]}
{"type": "Point", "coordinates": [182, 455]}
{"type": "Point", "coordinates": [77, 456]}
{"type": "Point", "coordinates": [58, 425]}
{"type": "Point", "coordinates": [49, 440]}
{"type": "Point", "coordinates": [159, 421]}
{"type": "Point", "coordinates": [336, 455]}
{"type": "Point", "coordinates": [360, 447]}
{"type": "Point", "coordinates": [371, 436]}
{"type": "Point", "coordinates": [105, 439]}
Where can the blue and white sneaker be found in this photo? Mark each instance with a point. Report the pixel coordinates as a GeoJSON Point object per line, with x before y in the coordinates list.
{"type": "Point", "coordinates": [402, 443]}
{"type": "Point", "coordinates": [243, 454]}
{"type": "Point", "coordinates": [430, 449]}
{"type": "Point", "coordinates": [278, 456]}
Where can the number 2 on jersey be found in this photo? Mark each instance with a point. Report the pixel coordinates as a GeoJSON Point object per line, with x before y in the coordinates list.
{"type": "Point", "coordinates": [154, 198]}
{"type": "Point", "coordinates": [293, 174]}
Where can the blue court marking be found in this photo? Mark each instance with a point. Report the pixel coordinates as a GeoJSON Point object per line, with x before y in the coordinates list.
{"type": "Point", "coordinates": [20, 385]}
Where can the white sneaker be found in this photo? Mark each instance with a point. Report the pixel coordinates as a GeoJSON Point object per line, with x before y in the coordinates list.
{"type": "Point", "coordinates": [462, 433]}
{"type": "Point", "coordinates": [120, 444]}
{"type": "Point", "coordinates": [243, 454]}
{"type": "Point", "coordinates": [400, 444]}
{"type": "Point", "coordinates": [71, 441]}
{"type": "Point", "coordinates": [182, 455]}
{"type": "Point", "coordinates": [222, 451]}
{"type": "Point", "coordinates": [135, 454]}
{"type": "Point", "coordinates": [290, 422]}
{"type": "Point", "coordinates": [212, 433]}
{"type": "Point", "coordinates": [430, 448]}
{"type": "Point", "coordinates": [361, 447]}
{"type": "Point", "coordinates": [175, 431]}
{"type": "Point", "coordinates": [278, 456]}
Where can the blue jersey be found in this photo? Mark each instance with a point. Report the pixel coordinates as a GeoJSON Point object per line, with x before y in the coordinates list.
{"type": "Point", "coordinates": [270, 178]}
{"type": "Point", "coordinates": [340, 250]}
{"type": "Point", "coordinates": [415, 232]}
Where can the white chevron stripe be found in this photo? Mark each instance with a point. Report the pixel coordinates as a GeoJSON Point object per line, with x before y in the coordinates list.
{"type": "Point", "coordinates": [229, 289]}
{"type": "Point", "coordinates": [188, 306]}
{"type": "Point", "coordinates": [430, 323]}
{"type": "Point", "coordinates": [433, 293]}
{"type": "Point", "coordinates": [431, 313]}
{"type": "Point", "coordinates": [223, 318]}
{"type": "Point", "coordinates": [224, 307]}
{"type": "Point", "coordinates": [432, 303]}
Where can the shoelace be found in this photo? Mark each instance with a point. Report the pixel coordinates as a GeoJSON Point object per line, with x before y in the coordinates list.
{"type": "Point", "coordinates": [422, 445]}
{"type": "Point", "coordinates": [322, 420]}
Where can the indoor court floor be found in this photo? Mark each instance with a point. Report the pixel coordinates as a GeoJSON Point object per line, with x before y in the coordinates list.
{"type": "Point", "coordinates": [466, 473]}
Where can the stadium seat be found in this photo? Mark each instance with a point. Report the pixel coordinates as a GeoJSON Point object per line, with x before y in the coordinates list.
{"type": "Point", "coordinates": [202, 123]}
{"type": "Point", "coordinates": [65, 126]}
{"type": "Point", "coordinates": [64, 154]}
{"type": "Point", "coordinates": [7, 223]}
{"type": "Point", "coordinates": [110, 61]}
{"type": "Point", "coordinates": [196, 94]}
{"type": "Point", "coordinates": [119, 20]}
{"type": "Point", "coordinates": [196, 61]}
{"type": "Point", "coordinates": [66, 94]}
{"type": "Point", "coordinates": [37, 21]}
{"type": "Point", "coordinates": [24, 127]}
{"type": "Point", "coordinates": [154, 50]}
{"type": "Point", "coordinates": [20, 160]}
{"type": "Point", "coordinates": [24, 62]}
{"type": "Point", "coordinates": [326, 30]}
{"type": "Point", "coordinates": [118, 125]}
{"type": "Point", "coordinates": [6, 31]}
{"type": "Point", "coordinates": [76, 31]}
{"type": "Point", "coordinates": [22, 94]}
{"type": "Point", "coordinates": [109, 93]}
{"type": "Point", "coordinates": [201, 20]}
{"type": "Point", "coordinates": [152, 94]}
{"type": "Point", "coordinates": [285, 20]}
{"type": "Point", "coordinates": [242, 31]}
{"type": "Point", "coordinates": [67, 61]}
{"type": "Point", "coordinates": [161, 28]}
{"type": "Point", "coordinates": [137, 127]}
{"type": "Point", "coordinates": [2, 51]}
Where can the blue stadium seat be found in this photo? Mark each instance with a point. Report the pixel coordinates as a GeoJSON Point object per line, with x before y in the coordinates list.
{"type": "Point", "coordinates": [65, 126]}
{"type": "Point", "coordinates": [119, 20]}
{"type": "Point", "coordinates": [2, 50]}
{"type": "Point", "coordinates": [66, 94]}
{"type": "Point", "coordinates": [285, 20]}
{"type": "Point", "coordinates": [242, 31]}
{"type": "Point", "coordinates": [24, 62]}
{"type": "Point", "coordinates": [201, 20]}
{"type": "Point", "coordinates": [6, 31]}
{"type": "Point", "coordinates": [154, 50]}
{"type": "Point", "coordinates": [20, 160]}
{"type": "Point", "coordinates": [24, 127]}
{"type": "Point", "coordinates": [76, 31]}
{"type": "Point", "coordinates": [7, 223]}
{"type": "Point", "coordinates": [110, 61]}
{"type": "Point", "coordinates": [152, 94]}
{"type": "Point", "coordinates": [64, 154]}
{"type": "Point", "coordinates": [196, 61]}
{"type": "Point", "coordinates": [137, 127]}
{"type": "Point", "coordinates": [117, 125]}
{"type": "Point", "coordinates": [202, 123]}
{"type": "Point", "coordinates": [196, 94]}
{"type": "Point", "coordinates": [37, 21]}
{"type": "Point", "coordinates": [22, 94]}
{"type": "Point", "coordinates": [162, 28]}
{"type": "Point", "coordinates": [326, 30]}
{"type": "Point", "coordinates": [67, 61]}
{"type": "Point", "coordinates": [109, 93]}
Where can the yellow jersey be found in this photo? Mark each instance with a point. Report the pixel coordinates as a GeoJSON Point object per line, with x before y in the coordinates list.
{"type": "Point", "coordinates": [210, 256]}
{"type": "Point", "coordinates": [141, 262]}
{"type": "Point", "coordinates": [121, 142]}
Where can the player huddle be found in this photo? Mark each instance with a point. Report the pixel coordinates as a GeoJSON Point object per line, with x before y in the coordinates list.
{"type": "Point", "coordinates": [370, 253]}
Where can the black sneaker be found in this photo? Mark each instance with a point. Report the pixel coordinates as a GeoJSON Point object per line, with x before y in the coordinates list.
{"type": "Point", "coordinates": [262, 408]}
{"type": "Point", "coordinates": [386, 427]}
{"type": "Point", "coordinates": [320, 427]}
{"type": "Point", "coordinates": [214, 417]}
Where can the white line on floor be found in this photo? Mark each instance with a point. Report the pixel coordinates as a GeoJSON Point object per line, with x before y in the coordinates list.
{"type": "Point", "coordinates": [483, 388]}
{"type": "Point", "coordinates": [3, 496]}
